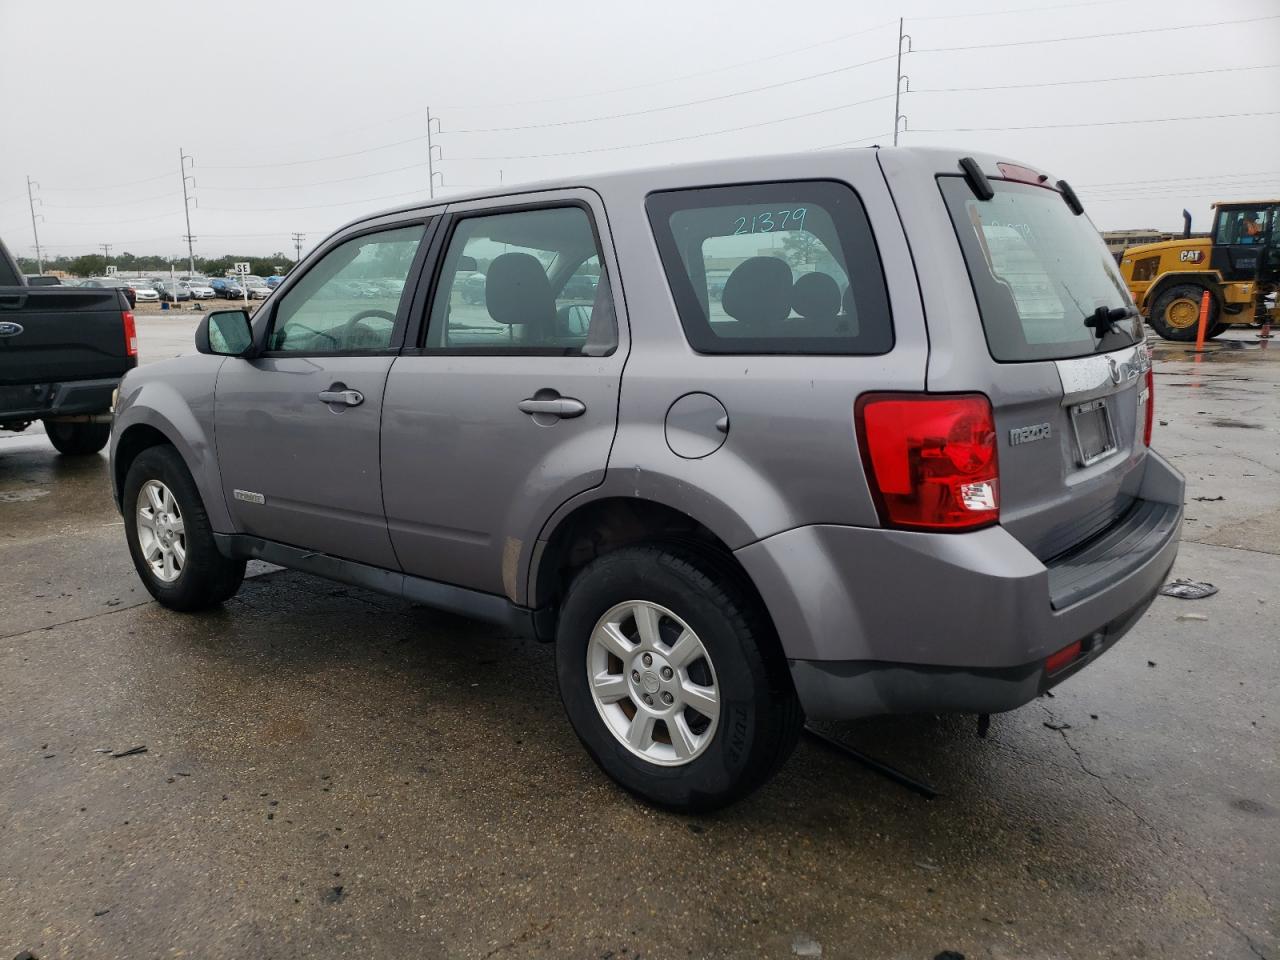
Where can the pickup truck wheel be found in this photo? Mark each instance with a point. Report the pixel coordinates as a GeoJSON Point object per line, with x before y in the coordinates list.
{"type": "Point", "coordinates": [77, 439]}
{"type": "Point", "coordinates": [169, 535]}
{"type": "Point", "coordinates": [673, 678]}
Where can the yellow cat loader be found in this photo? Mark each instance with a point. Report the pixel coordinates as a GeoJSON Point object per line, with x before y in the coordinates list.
{"type": "Point", "coordinates": [1238, 263]}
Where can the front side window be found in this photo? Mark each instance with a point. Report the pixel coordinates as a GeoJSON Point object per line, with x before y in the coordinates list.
{"type": "Point", "coordinates": [1243, 225]}
{"type": "Point", "coordinates": [773, 268]}
{"type": "Point", "coordinates": [528, 281]}
{"type": "Point", "coordinates": [350, 299]}
{"type": "Point", "coordinates": [1038, 272]}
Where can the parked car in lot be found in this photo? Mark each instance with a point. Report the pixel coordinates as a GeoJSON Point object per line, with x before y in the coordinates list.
{"type": "Point", "coordinates": [226, 288]}
{"type": "Point", "coordinates": [257, 287]}
{"type": "Point", "coordinates": [199, 289]}
{"type": "Point", "coordinates": [274, 281]}
{"type": "Point", "coordinates": [904, 466]}
{"type": "Point", "coordinates": [144, 290]}
{"type": "Point", "coordinates": [111, 283]}
{"type": "Point", "coordinates": [173, 291]}
{"type": "Point", "coordinates": [62, 354]}
{"type": "Point", "coordinates": [42, 280]}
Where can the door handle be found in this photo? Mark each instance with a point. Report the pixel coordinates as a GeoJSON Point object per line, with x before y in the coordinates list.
{"type": "Point", "coordinates": [352, 398]}
{"type": "Point", "coordinates": [562, 407]}
{"type": "Point", "coordinates": [14, 301]}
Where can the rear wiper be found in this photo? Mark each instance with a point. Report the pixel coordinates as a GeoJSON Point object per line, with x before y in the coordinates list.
{"type": "Point", "coordinates": [1103, 319]}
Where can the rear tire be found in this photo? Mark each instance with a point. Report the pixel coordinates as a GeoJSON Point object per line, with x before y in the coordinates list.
{"type": "Point", "coordinates": [77, 439]}
{"type": "Point", "coordinates": [1175, 313]}
{"type": "Point", "coordinates": [162, 505]}
{"type": "Point", "coordinates": [683, 758]}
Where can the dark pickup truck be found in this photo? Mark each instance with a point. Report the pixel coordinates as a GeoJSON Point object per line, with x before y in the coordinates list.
{"type": "Point", "coordinates": [63, 351]}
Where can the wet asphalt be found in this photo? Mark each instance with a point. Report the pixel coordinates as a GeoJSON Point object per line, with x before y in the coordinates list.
{"type": "Point", "coordinates": [331, 773]}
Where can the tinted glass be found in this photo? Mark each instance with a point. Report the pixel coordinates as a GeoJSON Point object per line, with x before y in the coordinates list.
{"type": "Point", "coordinates": [528, 281]}
{"type": "Point", "coordinates": [774, 268]}
{"type": "Point", "coordinates": [1038, 272]}
{"type": "Point", "coordinates": [350, 299]}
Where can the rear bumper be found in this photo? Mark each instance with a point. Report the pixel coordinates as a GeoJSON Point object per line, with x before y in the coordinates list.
{"type": "Point", "coordinates": [36, 401]}
{"type": "Point", "coordinates": [881, 621]}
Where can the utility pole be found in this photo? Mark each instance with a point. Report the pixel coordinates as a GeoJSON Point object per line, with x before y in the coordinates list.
{"type": "Point", "coordinates": [431, 155]}
{"type": "Point", "coordinates": [186, 209]}
{"type": "Point", "coordinates": [31, 202]}
{"type": "Point", "coordinates": [297, 245]}
{"type": "Point", "coordinates": [106, 252]}
{"type": "Point", "coordinates": [897, 90]}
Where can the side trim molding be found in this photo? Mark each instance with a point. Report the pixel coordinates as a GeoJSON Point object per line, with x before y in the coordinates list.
{"type": "Point", "coordinates": [488, 607]}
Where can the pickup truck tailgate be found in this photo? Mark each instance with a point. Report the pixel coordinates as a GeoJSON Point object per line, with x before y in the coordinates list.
{"type": "Point", "coordinates": [60, 333]}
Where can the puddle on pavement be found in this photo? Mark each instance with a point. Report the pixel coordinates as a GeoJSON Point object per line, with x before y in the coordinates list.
{"type": "Point", "coordinates": [21, 496]}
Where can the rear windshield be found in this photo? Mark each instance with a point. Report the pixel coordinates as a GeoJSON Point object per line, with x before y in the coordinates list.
{"type": "Point", "coordinates": [1038, 272]}
{"type": "Point", "coordinates": [773, 268]}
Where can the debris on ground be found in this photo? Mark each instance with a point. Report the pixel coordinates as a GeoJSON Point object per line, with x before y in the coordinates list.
{"type": "Point", "coordinates": [1151, 663]}
{"type": "Point", "coordinates": [1053, 725]}
{"type": "Point", "coordinates": [25, 955]}
{"type": "Point", "coordinates": [335, 895]}
{"type": "Point", "coordinates": [949, 955]}
{"type": "Point", "coordinates": [1185, 589]}
{"type": "Point", "coordinates": [803, 945]}
{"type": "Point", "coordinates": [1191, 616]}
{"type": "Point", "coordinates": [1209, 499]}
{"type": "Point", "coordinates": [131, 752]}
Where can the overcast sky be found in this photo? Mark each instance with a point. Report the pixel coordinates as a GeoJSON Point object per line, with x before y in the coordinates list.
{"type": "Point", "coordinates": [301, 116]}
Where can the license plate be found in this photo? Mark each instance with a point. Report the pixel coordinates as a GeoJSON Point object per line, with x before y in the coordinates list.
{"type": "Point", "coordinates": [1095, 437]}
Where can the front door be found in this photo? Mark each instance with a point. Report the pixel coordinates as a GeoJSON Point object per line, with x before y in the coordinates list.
{"type": "Point", "coordinates": [508, 407]}
{"type": "Point", "coordinates": [297, 427]}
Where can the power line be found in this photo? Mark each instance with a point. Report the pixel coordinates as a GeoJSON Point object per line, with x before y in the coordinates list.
{"type": "Point", "coordinates": [109, 223]}
{"type": "Point", "coordinates": [1001, 13]}
{"type": "Point", "coordinates": [692, 136]}
{"type": "Point", "coordinates": [314, 206]}
{"type": "Point", "coordinates": [851, 143]}
{"type": "Point", "coordinates": [321, 183]}
{"type": "Point", "coordinates": [1098, 123]}
{"type": "Point", "coordinates": [122, 203]}
{"type": "Point", "coordinates": [1070, 83]}
{"type": "Point", "coordinates": [1097, 36]}
{"type": "Point", "coordinates": [684, 76]}
{"type": "Point", "coordinates": [111, 186]}
{"type": "Point", "coordinates": [1223, 176]}
{"type": "Point", "coordinates": [674, 106]}
{"type": "Point", "coordinates": [336, 156]}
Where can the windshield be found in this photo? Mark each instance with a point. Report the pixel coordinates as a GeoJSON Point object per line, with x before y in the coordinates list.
{"type": "Point", "coordinates": [1038, 272]}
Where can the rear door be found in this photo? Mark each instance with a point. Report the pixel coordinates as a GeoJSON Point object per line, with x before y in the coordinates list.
{"type": "Point", "coordinates": [297, 428]}
{"type": "Point", "coordinates": [1069, 399]}
{"type": "Point", "coordinates": [508, 405]}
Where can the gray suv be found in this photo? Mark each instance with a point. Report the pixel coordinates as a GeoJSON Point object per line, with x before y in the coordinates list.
{"type": "Point", "coordinates": [897, 460]}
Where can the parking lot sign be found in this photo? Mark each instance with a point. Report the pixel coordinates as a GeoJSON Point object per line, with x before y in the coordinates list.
{"type": "Point", "coordinates": [111, 271]}
{"type": "Point", "coordinates": [242, 269]}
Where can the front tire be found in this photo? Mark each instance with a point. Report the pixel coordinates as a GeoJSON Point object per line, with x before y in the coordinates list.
{"type": "Point", "coordinates": [1175, 313]}
{"type": "Point", "coordinates": [169, 535]}
{"type": "Point", "coordinates": [77, 439]}
{"type": "Point", "coordinates": [673, 677]}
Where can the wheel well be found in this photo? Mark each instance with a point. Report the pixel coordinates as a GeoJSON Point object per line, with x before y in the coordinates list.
{"type": "Point", "coordinates": [132, 442]}
{"type": "Point", "coordinates": [1206, 280]}
{"type": "Point", "coordinates": [602, 526]}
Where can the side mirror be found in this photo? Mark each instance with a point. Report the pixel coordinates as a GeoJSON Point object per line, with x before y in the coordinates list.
{"type": "Point", "coordinates": [225, 333]}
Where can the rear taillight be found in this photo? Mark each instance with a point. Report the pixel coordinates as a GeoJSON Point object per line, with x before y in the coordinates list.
{"type": "Point", "coordinates": [1149, 399]}
{"type": "Point", "coordinates": [1056, 661]}
{"type": "Point", "coordinates": [931, 459]}
{"type": "Point", "coordinates": [130, 334]}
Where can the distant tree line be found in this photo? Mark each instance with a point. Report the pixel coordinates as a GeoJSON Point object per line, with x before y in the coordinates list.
{"type": "Point", "coordinates": [95, 264]}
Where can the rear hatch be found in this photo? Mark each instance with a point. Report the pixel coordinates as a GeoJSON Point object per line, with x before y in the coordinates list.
{"type": "Point", "coordinates": [1069, 398]}
{"type": "Point", "coordinates": [53, 334]}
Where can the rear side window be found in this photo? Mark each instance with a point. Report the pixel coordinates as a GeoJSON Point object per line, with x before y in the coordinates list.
{"type": "Point", "coordinates": [773, 268]}
{"type": "Point", "coordinates": [1038, 272]}
{"type": "Point", "coordinates": [524, 282]}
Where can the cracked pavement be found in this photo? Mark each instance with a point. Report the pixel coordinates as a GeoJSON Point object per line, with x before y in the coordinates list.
{"type": "Point", "coordinates": [330, 771]}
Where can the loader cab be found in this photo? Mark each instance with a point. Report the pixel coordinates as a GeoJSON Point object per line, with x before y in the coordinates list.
{"type": "Point", "coordinates": [1245, 235]}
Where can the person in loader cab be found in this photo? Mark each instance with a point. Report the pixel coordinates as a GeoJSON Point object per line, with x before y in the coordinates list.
{"type": "Point", "coordinates": [1252, 228]}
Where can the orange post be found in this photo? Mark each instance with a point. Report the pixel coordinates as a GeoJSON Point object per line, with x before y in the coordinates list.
{"type": "Point", "coordinates": [1204, 322]}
